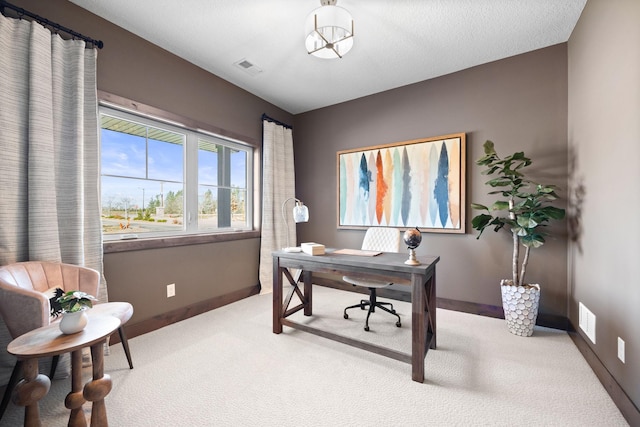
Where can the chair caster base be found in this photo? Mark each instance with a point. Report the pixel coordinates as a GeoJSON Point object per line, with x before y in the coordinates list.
{"type": "Point", "coordinates": [346, 316]}
{"type": "Point", "coordinates": [366, 328]}
{"type": "Point", "coordinates": [398, 324]}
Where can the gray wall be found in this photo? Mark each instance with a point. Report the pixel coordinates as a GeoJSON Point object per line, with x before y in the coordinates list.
{"type": "Point", "coordinates": [520, 103]}
{"type": "Point", "coordinates": [130, 67]}
{"type": "Point", "coordinates": [604, 139]}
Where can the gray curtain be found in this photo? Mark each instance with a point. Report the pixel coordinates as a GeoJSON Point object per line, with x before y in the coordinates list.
{"type": "Point", "coordinates": [278, 184]}
{"type": "Point", "coordinates": [49, 150]}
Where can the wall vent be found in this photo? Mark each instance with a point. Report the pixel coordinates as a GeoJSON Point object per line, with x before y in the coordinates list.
{"type": "Point", "coordinates": [587, 322]}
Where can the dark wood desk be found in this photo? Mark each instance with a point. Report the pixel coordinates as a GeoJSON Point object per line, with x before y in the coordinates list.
{"type": "Point", "coordinates": [48, 341]}
{"type": "Point", "coordinates": [386, 266]}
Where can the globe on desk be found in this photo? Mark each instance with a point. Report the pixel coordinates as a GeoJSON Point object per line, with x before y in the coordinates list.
{"type": "Point", "coordinates": [412, 238]}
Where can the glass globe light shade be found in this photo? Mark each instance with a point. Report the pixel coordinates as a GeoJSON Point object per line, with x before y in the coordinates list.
{"type": "Point", "coordinates": [328, 28]}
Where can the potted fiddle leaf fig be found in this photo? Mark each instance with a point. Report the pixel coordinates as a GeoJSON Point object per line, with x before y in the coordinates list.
{"type": "Point", "coordinates": [524, 210]}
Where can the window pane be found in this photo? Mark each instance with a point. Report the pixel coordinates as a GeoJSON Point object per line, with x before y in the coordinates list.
{"type": "Point", "coordinates": [238, 208]}
{"type": "Point", "coordinates": [142, 173]}
{"type": "Point", "coordinates": [233, 215]}
{"type": "Point", "coordinates": [134, 206]}
{"type": "Point", "coordinates": [207, 163]}
{"type": "Point", "coordinates": [239, 169]}
{"type": "Point", "coordinates": [159, 178]}
{"type": "Point", "coordinates": [222, 181]}
{"type": "Point", "coordinates": [166, 156]}
{"type": "Point", "coordinates": [207, 207]}
{"type": "Point", "coordinates": [122, 154]}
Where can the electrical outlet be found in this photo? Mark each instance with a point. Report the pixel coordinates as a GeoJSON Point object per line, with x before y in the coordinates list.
{"type": "Point", "coordinates": [171, 290]}
{"type": "Point", "coordinates": [621, 349]}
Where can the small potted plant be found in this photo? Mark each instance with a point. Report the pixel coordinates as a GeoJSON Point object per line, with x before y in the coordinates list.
{"type": "Point", "coordinates": [72, 305]}
{"type": "Point", "coordinates": [526, 210]}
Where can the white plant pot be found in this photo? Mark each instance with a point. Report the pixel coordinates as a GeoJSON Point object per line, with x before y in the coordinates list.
{"type": "Point", "coordinates": [73, 322]}
{"type": "Point", "coordinates": [520, 305]}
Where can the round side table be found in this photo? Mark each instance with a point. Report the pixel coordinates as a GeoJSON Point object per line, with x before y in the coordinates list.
{"type": "Point", "coordinates": [48, 341]}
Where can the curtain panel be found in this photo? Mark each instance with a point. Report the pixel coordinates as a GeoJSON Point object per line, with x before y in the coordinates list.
{"type": "Point", "coordinates": [278, 184]}
{"type": "Point", "coordinates": [49, 173]}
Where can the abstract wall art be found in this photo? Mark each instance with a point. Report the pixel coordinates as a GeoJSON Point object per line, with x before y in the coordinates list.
{"type": "Point", "coordinates": [417, 183]}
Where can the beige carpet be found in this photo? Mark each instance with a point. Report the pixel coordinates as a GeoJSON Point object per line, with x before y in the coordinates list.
{"type": "Point", "coordinates": [226, 368]}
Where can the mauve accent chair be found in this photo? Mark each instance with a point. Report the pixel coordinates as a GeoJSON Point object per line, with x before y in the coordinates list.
{"type": "Point", "coordinates": [25, 289]}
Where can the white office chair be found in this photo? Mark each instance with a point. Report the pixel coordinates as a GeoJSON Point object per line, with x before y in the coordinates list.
{"type": "Point", "coordinates": [376, 239]}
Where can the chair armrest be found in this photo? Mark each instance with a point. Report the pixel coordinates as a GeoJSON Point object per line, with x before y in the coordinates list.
{"type": "Point", "coordinates": [23, 309]}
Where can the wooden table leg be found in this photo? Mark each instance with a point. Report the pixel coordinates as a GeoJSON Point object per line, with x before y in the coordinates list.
{"type": "Point", "coordinates": [75, 399]}
{"type": "Point", "coordinates": [277, 296]}
{"type": "Point", "coordinates": [308, 286]}
{"type": "Point", "coordinates": [30, 390]}
{"type": "Point", "coordinates": [432, 308]}
{"type": "Point", "coordinates": [418, 330]}
{"type": "Point", "coordinates": [96, 389]}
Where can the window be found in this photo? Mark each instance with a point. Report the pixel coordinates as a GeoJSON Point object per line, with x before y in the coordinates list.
{"type": "Point", "coordinates": [161, 179]}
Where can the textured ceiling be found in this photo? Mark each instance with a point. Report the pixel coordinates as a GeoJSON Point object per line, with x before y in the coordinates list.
{"type": "Point", "coordinates": [396, 42]}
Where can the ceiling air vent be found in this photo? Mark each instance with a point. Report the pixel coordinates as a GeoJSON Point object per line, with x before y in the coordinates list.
{"type": "Point", "coordinates": [247, 67]}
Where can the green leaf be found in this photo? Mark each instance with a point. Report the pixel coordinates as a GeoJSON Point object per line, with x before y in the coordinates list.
{"type": "Point", "coordinates": [553, 212]}
{"type": "Point", "coordinates": [491, 170]}
{"type": "Point", "coordinates": [546, 188]}
{"type": "Point", "coordinates": [499, 182]}
{"type": "Point", "coordinates": [75, 301]}
{"type": "Point", "coordinates": [511, 223]}
{"type": "Point", "coordinates": [519, 231]}
{"type": "Point", "coordinates": [500, 205]}
{"type": "Point", "coordinates": [484, 161]}
{"type": "Point", "coordinates": [527, 221]}
{"type": "Point", "coordinates": [520, 205]}
{"type": "Point", "coordinates": [498, 226]}
{"type": "Point", "coordinates": [479, 222]}
{"type": "Point", "coordinates": [479, 207]}
{"type": "Point", "coordinates": [489, 148]}
{"type": "Point", "coordinates": [533, 240]}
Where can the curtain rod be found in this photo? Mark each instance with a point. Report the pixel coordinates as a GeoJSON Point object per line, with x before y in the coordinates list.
{"type": "Point", "coordinates": [278, 122]}
{"type": "Point", "coordinates": [43, 21]}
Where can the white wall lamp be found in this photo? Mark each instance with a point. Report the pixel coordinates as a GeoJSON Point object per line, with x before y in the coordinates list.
{"type": "Point", "coordinates": [300, 214]}
{"type": "Point", "coordinates": [329, 31]}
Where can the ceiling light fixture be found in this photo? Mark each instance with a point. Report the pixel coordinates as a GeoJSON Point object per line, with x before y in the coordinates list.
{"type": "Point", "coordinates": [329, 31]}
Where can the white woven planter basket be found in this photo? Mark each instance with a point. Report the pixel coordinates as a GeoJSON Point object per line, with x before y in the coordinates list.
{"type": "Point", "coordinates": [520, 305]}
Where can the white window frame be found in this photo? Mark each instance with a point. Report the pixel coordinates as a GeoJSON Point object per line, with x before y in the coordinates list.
{"type": "Point", "coordinates": [190, 175]}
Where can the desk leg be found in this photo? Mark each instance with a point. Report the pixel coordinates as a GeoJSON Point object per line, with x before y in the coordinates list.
{"type": "Point", "coordinates": [75, 399]}
{"type": "Point", "coordinates": [418, 327]}
{"type": "Point", "coordinates": [29, 390]}
{"type": "Point", "coordinates": [96, 389]}
{"type": "Point", "coordinates": [308, 286]}
{"type": "Point", "coordinates": [277, 296]}
{"type": "Point", "coordinates": [423, 321]}
{"type": "Point", "coordinates": [431, 303]}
